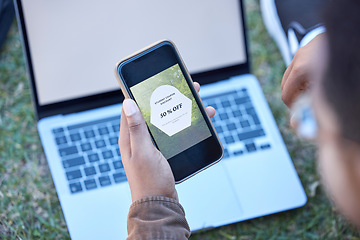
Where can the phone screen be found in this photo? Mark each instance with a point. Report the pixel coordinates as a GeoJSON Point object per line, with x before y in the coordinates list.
{"type": "Point", "coordinates": [162, 88]}
{"type": "Point", "coordinates": [170, 111]}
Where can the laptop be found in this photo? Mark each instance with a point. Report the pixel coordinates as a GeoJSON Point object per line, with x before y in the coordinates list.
{"type": "Point", "coordinates": [71, 48]}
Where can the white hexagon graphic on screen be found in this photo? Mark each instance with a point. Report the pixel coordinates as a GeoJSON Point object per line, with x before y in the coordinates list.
{"type": "Point", "coordinates": [170, 110]}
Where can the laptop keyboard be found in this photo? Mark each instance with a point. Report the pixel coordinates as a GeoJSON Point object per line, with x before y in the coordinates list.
{"type": "Point", "coordinates": [91, 157]}
{"type": "Point", "coordinates": [90, 154]}
{"type": "Point", "coordinates": [237, 123]}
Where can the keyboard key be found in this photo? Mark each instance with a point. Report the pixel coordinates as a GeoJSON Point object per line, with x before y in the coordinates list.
{"type": "Point", "coordinates": [58, 130]}
{"type": "Point", "coordinates": [265, 146]}
{"type": "Point", "coordinates": [219, 129]}
{"type": "Point", "coordinates": [86, 147]}
{"type": "Point", "coordinates": [113, 140]}
{"type": "Point", "coordinates": [103, 130]}
{"type": "Point", "coordinates": [89, 171]}
{"type": "Point", "coordinates": [104, 181]}
{"type": "Point", "coordinates": [256, 119]}
{"type": "Point", "coordinates": [237, 113]}
{"type": "Point", "coordinates": [116, 128]}
{"type": "Point", "coordinates": [229, 139]}
{"type": "Point", "coordinates": [220, 95]}
{"type": "Point", "coordinates": [226, 153]}
{"type": "Point", "coordinates": [245, 124]}
{"type": "Point", "coordinates": [75, 187]}
{"type": "Point", "coordinates": [223, 116]}
{"type": "Point", "coordinates": [225, 103]}
{"type": "Point", "coordinates": [75, 137]}
{"type": "Point", "coordinates": [231, 126]}
{"type": "Point", "coordinates": [73, 175]}
{"type": "Point", "coordinates": [90, 184]}
{"type": "Point", "coordinates": [236, 146]}
{"type": "Point", "coordinates": [214, 105]}
{"type": "Point", "coordinates": [67, 151]}
{"type": "Point", "coordinates": [107, 154]}
{"type": "Point", "coordinates": [250, 147]}
{"type": "Point", "coordinates": [93, 157]}
{"type": "Point", "coordinates": [73, 162]}
{"type": "Point", "coordinates": [104, 167]}
{"type": "Point", "coordinates": [60, 140]}
{"type": "Point", "coordinates": [118, 165]}
{"type": "Point", "coordinates": [118, 152]}
{"type": "Point", "coordinates": [89, 133]}
{"type": "Point", "coordinates": [100, 143]}
{"type": "Point", "coordinates": [119, 177]}
{"type": "Point", "coordinates": [242, 100]}
{"type": "Point", "coordinates": [251, 134]}
{"type": "Point", "coordinates": [250, 111]}
{"type": "Point", "coordinates": [237, 153]}
{"type": "Point", "coordinates": [92, 123]}
{"type": "Point", "coordinates": [215, 119]}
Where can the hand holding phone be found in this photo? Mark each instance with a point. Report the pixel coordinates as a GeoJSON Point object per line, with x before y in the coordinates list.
{"type": "Point", "coordinates": [158, 81]}
{"type": "Point", "coordinates": [147, 170]}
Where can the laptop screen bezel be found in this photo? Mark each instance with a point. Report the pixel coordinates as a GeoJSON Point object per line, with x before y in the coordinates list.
{"type": "Point", "coordinates": [116, 96]}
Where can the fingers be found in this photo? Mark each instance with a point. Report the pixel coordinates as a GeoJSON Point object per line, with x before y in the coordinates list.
{"type": "Point", "coordinates": [197, 86]}
{"type": "Point", "coordinates": [124, 137]}
{"type": "Point", "coordinates": [210, 111]}
{"type": "Point", "coordinates": [294, 86]}
{"type": "Point", "coordinates": [136, 127]}
{"type": "Point", "coordinates": [296, 78]}
{"type": "Point", "coordinates": [286, 74]}
{"type": "Point", "coordinates": [293, 123]}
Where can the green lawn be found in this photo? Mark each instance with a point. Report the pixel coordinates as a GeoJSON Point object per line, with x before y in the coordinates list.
{"type": "Point", "coordinates": [29, 207]}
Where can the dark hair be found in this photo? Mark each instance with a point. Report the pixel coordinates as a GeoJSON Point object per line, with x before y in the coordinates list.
{"type": "Point", "coordinates": [342, 79]}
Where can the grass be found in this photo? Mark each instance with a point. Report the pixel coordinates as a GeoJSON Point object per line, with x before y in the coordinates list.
{"type": "Point", "coordinates": [29, 207]}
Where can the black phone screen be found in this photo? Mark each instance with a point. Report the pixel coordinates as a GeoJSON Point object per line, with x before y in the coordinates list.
{"type": "Point", "coordinates": [170, 107]}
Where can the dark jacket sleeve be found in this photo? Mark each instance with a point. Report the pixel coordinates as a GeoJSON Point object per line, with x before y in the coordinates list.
{"type": "Point", "coordinates": [157, 218]}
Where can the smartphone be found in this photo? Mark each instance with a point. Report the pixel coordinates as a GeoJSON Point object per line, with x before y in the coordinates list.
{"type": "Point", "coordinates": [157, 79]}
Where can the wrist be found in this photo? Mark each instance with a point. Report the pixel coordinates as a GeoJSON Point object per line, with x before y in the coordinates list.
{"type": "Point", "coordinates": [138, 195]}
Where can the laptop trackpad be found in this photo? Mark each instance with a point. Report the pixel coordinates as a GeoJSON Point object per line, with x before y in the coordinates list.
{"type": "Point", "coordinates": [208, 199]}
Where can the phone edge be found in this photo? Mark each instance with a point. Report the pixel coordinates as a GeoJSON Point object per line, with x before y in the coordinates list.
{"type": "Point", "coordinates": [208, 118]}
{"type": "Point", "coordinates": [117, 75]}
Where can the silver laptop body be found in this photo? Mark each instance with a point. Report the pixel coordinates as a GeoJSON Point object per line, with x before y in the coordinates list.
{"type": "Point", "coordinates": [71, 48]}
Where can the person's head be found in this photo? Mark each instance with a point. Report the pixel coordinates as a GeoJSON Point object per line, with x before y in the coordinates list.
{"type": "Point", "coordinates": [336, 103]}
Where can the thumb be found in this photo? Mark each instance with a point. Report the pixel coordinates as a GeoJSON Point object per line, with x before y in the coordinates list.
{"type": "Point", "coordinates": [139, 135]}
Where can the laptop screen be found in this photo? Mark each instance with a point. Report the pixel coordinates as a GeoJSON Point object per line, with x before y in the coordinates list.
{"type": "Point", "coordinates": [74, 45]}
